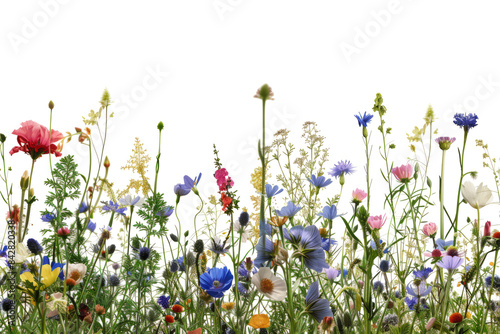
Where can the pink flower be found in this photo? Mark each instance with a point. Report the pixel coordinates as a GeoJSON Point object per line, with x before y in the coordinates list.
{"type": "Point", "coordinates": [429, 229]}
{"type": "Point", "coordinates": [35, 139]}
{"type": "Point", "coordinates": [64, 231]}
{"type": "Point", "coordinates": [221, 175]}
{"type": "Point", "coordinates": [376, 222]}
{"type": "Point", "coordinates": [403, 173]}
{"type": "Point", "coordinates": [358, 195]}
{"type": "Point", "coordinates": [487, 229]}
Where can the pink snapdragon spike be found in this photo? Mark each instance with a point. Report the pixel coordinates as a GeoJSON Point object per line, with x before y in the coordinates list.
{"type": "Point", "coordinates": [35, 139]}
{"type": "Point", "coordinates": [376, 222]}
{"type": "Point", "coordinates": [429, 229]}
{"type": "Point", "coordinates": [403, 173]}
{"type": "Point", "coordinates": [487, 229]}
{"type": "Point", "coordinates": [358, 195]}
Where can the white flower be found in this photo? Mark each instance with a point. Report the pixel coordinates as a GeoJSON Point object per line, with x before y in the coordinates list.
{"type": "Point", "coordinates": [271, 286]}
{"type": "Point", "coordinates": [238, 229]}
{"type": "Point", "coordinates": [476, 197]}
{"type": "Point", "coordinates": [128, 200]}
{"type": "Point", "coordinates": [76, 271]}
{"type": "Point", "coordinates": [22, 253]}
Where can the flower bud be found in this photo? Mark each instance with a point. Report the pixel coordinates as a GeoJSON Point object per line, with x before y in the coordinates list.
{"type": "Point", "coordinates": [264, 93]}
{"type": "Point", "coordinates": [31, 193]}
{"type": "Point", "coordinates": [25, 180]}
{"type": "Point", "coordinates": [2, 138]}
{"type": "Point", "coordinates": [160, 126]}
{"type": "Point", "coordinates": [64, 231]}
{"type": "Point", "coordinates": [487, 229]}
{"type": "Point", "coordinates": [99, 310]}
{"type": "Point", "coordinates": [78, 129]}
{"type": "Point", "coordinates": [51, 105]}
{"type": "Point", "coordinates": [365, 132]}
{"type": "Point", "coordinates": [106, 163]}
{"type": "Point", "coordinates": [429, 229]}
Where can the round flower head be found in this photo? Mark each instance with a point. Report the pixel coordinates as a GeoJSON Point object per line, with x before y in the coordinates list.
{"type": "Point", "coordinates": [456, 318]}
{"type": "Point", "coordinates": [258, 321]}
{"type": "Point", "coordinates": [114, 280]}
{"type": "Point", "coordinates": [465, 121]}
{"type": "Point", "coordinates": [342, 168]}
{"type": "Point", "coordinates": [378, 286]}
{"type": "Point", "coordinates": [384, 266]}
{"type": "Point", "coordinates": [429, 229]}
{"type": "Point", "coordinates": [271, 286]}
{"type": "Point", "coordinates": [216, 281]}
{"type": "Point", "coordinates": [163, 301]}
{"type": "Point", "coordinates": [403, 173]}
{"type": "Point", "coordinates": [445, 142]}
{"type": "Point", "coordinates": [34, 246]}
{"type": "Point", "coordinates": [144, 253]}
{"type": "Point", "coordinates": [7, 304]}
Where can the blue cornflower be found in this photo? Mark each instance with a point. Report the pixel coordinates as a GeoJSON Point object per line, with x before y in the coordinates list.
{"type": "Point", "coordinates": [378, 286]}
{"type": "Point", "coordinates": [54, 265]}
{"type": "Point", "coordinates": [83, 207]}
{"type": "Point", "coordinates": [342, 168]}
{"type": "Point", "coordinates": [363, 120]}
{"type": "Point", "coordinates": [113, 207]}
{"type": "Point", "coordinates": [308, 246]}
{"type": "Point", "coordinates": [465, 121]}
{"type": "Point", "coordinates": [91, 226]}
{"type": "Point", "coordinates": [289, 210]}
{"type": "Point", "coordinates": [423, 273]}
{"type": "Point", "coordinates": [181, 190]}
{"type": "Point", "coordinates": [442, 245]}
{"type": "Point", "coordinates": [329, 212]}
{"type": "Point", "coordinates": [327, 244]}
{"type": "Point", "coordinates": [163, 301]}
{"type": "Point", "coordinates": [374, 246]}
{"type": "Point", "coordinates": [166, 212]}
{"type": "Point", "coordinates": [384, 266]}
{"type": "Point", "coordinates": [320, 181]}
{"type": "Point", "coordinates": [265, 251]}
{"type": "Point", "coordinates": [216, 281]}
{"type": "Point", "coordinates": [317, 307]}
{"type": "Point", "coordinates": [144, 253]}
{"type": "Point", "coordinates": [496, 282]}
{"type": "Point", "coordinates": [48, 217]}
{"type": "Point", "coordinates": [272, 190]}
{"type": "Point", "coordinates": [34, 246]}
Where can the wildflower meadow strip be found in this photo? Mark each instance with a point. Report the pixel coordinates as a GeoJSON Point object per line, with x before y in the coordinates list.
{"type": "Point", "coordinates": [113, 260]}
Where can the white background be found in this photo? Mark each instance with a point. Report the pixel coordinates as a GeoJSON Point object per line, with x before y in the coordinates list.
{"type": "Point", "coordinates": [325, 61]}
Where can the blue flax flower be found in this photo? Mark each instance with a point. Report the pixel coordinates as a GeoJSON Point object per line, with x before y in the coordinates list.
{"type": "Point", "coordinates": [289, 210]}
{"type": "Point", "coordinates": [216, 281]}
{"type": "Point", "coordinates": [91, 226]}
{"type": "Point", "coordinates": [320, 181]}
{"type": "Point", "coordinates": [272, 190]}
{"type": "Point", "coordinates": [308, 246]}
{"type": "Point", "coordinates": [181, 190]}
{"type": "Point", "coordinates": [265, 251]}
{"type": "Point", "coordinates": [364, 119]}
{"type": "Point", "coordinates": [166, 212]}
{"type": "Point", "coordinates": [423, 273]}
{"type": "Point", "coordinates": [48, 217]}
{"type": "Point", "coordinates": [342, 168]}
{"type": "Point", "coordinates": [329, 212]}
{"type": "Point", "coordinates": [442, 245]}
{"type": "Point", "coordinates": [113, 207]}
{"type": "Point", "coordinates": [450, 262]}
{"type": "Point", "coordinates": [317, 307]}
{"type": "Point", "coordinates": [190, 183]}
{"type": "Point", "coordinates": [345, 272]}
{"type": "Point", "coordinates": [465, 121]}
{"type": "Point", "coordinates": [83, 207]}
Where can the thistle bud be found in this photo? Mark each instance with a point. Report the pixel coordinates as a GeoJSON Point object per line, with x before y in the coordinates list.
{"type": "Point", "coordinates": [25, 180]}
{"type": "Point", "coordinates": [160, 126]}
{"type": "Point", "coordinates": [51, 105]}
{"type": "Point", "coordinates": [198, 246]}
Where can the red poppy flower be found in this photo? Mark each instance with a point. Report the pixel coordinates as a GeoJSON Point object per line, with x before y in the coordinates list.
{"type": "Point", "coordinates": [35, 139]}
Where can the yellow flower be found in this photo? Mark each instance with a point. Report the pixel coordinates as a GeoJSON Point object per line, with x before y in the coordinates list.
{"type": "Point", "coordinates": [49, 276]}
{"type": "Point", "coordinates": [228, 306]}
{"type": "Point", "coordinates": [468, 315]}
{"type": "Point", "coordinates": [259, 321]}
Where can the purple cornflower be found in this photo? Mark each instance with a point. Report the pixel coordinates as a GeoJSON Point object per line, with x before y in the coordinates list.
{"type": "Point", "coordinates": [342, 168]}
{"type": "Point", "coordinates": [163, 301]}
{"type": "Point", "coordinates": [217, 246]}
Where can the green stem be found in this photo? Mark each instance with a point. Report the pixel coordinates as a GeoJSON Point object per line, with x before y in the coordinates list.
{"type": "Point", "coordinates": [441, 198]}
